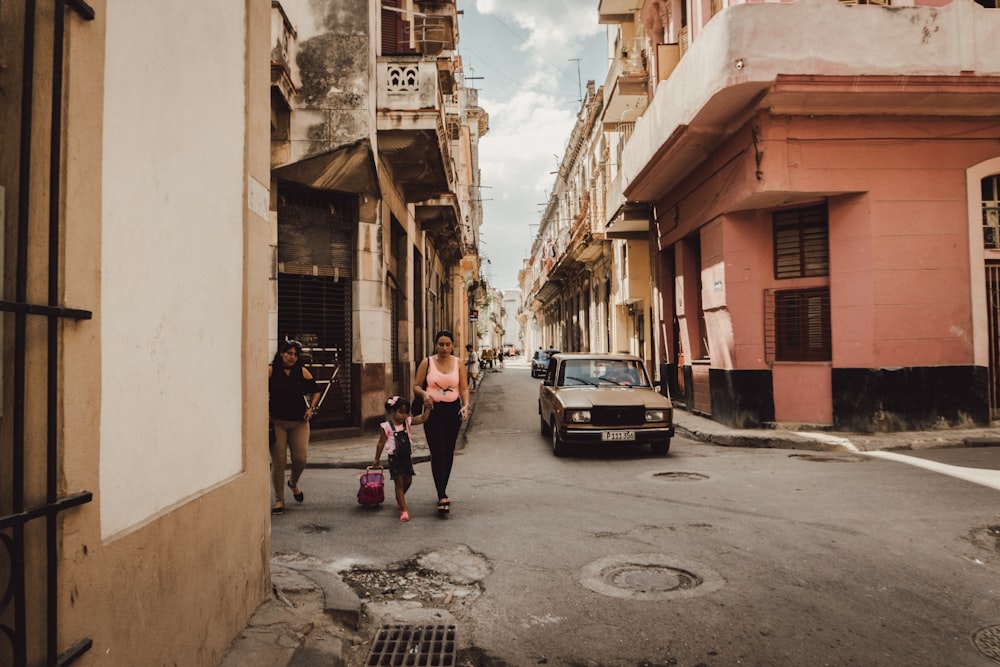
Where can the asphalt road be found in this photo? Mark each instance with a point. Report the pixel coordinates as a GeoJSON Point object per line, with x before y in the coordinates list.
{"type": "Point", "coordinates": [708, 556]}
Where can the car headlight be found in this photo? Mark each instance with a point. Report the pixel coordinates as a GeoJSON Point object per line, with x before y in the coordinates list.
{"type": "Point", "coordinates": [578, 416]}
{"type": "Point", "coordinates": [656, 415]}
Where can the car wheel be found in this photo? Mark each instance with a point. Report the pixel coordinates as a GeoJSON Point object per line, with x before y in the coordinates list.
{"type": "Point", "coordinates": [546, 431]}
{"type": "Point", "coordinates": [558, 446]}
{"type": "Point", "coordinates": [660, 448]}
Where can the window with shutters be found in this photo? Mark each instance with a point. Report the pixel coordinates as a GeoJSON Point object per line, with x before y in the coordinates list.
{"type": "Point", "coordinates": [801, 243]}
{"type": "Point", "coordinates": [797, 325]}
{"type": "Point", "coordinates": [395, 29]}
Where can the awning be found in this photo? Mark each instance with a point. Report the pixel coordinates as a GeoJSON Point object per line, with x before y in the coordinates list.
{"type": "Point", "coordinates": [630, 221]}
{"type": "Point", "coordinates": [347, 168]}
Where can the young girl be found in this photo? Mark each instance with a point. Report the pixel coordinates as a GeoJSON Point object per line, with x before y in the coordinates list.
{"type": "Point", "coordinates": [396, 432]}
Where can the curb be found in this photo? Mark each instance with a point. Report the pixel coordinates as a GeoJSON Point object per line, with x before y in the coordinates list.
{"type": "Point", "coordinates": [785, 441]}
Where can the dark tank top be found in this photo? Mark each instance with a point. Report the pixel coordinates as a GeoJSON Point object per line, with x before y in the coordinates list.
{"type": "Point", "coordinates": [286, 392]}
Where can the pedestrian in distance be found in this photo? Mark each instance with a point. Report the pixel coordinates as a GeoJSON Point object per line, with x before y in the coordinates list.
{"type": "Point", "coordinates": [472, 366]}
{"type": "Point", "coordinates": [447, 392]}
{"type": "Point", "coordinates": [396, 438]}
{"type": "Point", "coordinates": [292, 400]}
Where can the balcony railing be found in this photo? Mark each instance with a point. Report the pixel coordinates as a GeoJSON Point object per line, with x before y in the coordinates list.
{"type": "Point", "coordinates": [408, 83]}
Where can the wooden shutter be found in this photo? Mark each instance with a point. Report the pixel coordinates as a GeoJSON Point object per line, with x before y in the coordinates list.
{"type": "Point", "coordinates": [390, 27]}
{"type": "Point", "coordinates": [801, 243]}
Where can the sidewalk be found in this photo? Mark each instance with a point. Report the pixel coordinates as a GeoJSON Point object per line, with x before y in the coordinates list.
{"type": "Point", "coordinates": [312, 619]}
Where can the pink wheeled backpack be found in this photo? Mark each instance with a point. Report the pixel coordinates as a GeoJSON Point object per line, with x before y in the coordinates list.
{"type": "Point", "coordinates": [372, 491]}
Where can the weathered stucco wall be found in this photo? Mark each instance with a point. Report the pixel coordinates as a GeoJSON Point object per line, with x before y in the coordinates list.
{"type": "Point", "coordinates": [899, 249]}
{"type": "Point", "coordinates": [335, 66]}
{"type": "Point", "coordinates": [162, 395]}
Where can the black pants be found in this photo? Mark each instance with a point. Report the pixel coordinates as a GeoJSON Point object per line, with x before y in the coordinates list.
{"type": "Point", "coordinates": [441, 430]}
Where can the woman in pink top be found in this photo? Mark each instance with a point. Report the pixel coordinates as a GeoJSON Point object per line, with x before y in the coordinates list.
{"type": "Point", "coordinates": [448, 391]}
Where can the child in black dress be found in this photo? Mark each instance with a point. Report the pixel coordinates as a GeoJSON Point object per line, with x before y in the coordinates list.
{"type": "Point", "coordinates": [395, 432]}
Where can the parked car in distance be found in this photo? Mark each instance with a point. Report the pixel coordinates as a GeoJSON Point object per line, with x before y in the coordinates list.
{"type": "Point", "coordinates": [602, 399]}
{"type": "Point", "coordinates": [540, 362]}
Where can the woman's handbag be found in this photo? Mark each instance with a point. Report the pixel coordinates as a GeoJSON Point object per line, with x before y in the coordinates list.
{"type": "Point", "coordinates": [417, 406]}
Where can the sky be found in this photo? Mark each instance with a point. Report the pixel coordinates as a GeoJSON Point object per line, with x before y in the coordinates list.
{"type": "Point", "coordinates": [535, 58]}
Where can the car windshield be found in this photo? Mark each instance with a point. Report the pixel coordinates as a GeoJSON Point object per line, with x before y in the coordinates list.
{"type": "Point", "coordinates": [603, 372]}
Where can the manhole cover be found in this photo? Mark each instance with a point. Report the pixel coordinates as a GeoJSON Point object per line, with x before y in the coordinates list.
{"type": "Point", "coordinates": [649, 577]}
{"type": "Point", "coordinates": [506, 431]}
{"type": "Point", "coordinates": [680, 476]}
{"type": "Point", "coordinates": [987, 640]}
{"type": "Point", "coordinates": [413, 645]}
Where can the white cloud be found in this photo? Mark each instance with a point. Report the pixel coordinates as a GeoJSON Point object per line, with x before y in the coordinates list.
{"type": "Point", "coordinates": [531, 92]}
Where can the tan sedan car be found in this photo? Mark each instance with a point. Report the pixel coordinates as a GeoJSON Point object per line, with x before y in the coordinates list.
{"type": "Point", "coordinates": [602, 399]}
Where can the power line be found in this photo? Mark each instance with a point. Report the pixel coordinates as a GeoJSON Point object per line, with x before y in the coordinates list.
{"type": "Point", "coordinates": [525, 42]}
{"type": "Point", "coordinates": [486, 62]}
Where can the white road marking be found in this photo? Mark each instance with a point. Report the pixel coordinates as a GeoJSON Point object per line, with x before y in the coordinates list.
{"type": "Point", "coordinates": [990, 478]}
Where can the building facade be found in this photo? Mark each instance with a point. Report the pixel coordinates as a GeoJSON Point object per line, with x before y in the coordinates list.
{"type": "Point", "coordinates": [513, 337]}
{"type": "Point", "coordinates": [821, 212]}
{"type": "Point", "coordinates": [134, 524]}
{"type": "Point", "coordinates": [568, 282]}
{"type": "Point", "coordinates": [374, 191]}
{"type": "Point", "coordinates": [820, 222]}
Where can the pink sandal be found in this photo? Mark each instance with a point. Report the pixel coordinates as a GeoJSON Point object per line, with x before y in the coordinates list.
{"type": "Point", "coordinates": [404, 516]}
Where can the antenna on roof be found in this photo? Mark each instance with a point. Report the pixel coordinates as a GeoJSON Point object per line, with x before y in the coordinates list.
{"type": "Point", "coordinates": [579, 83]}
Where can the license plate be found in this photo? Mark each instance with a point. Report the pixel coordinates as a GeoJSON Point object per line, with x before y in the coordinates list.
{"type": "Point", "coordinates": [608, 436]}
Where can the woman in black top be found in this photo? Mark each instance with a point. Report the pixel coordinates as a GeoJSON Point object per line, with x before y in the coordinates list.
{"type": "Point", "coordinates": [289, 382]}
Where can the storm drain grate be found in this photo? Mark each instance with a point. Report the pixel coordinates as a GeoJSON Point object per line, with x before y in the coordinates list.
{"type": "Point", "coordinates": [403, 645]}
{"type": "Point", "coordinates": [987, 640]}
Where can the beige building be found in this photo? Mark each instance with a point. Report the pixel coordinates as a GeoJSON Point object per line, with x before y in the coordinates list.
{"type": "Point", "coordinates": [572, 296]}
{"type": "Point", "coordinates": [374, 193]}
{"type": "Point", "coordinates": [134, 525]}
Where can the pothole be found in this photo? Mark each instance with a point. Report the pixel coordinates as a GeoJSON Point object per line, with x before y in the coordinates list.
{"type": "Point", "coordinates": [407, 581]}
{"type": "Point", "coordinates": [673, 476]}
{"type": "Point", "coordinates": [680, 476]}
{"type": "Point", "coordinates": [987, 641]}
{"type": "Point", "coordinates": [649, 577]}
{"type": "Point", "coordinates": [987, 537]}
{"type": "Point", "coordinates": [829, 458]}
{"type": "Point", "coordinates": [314, 528]}
{"type": "Point", "coordinates": [435, 579]}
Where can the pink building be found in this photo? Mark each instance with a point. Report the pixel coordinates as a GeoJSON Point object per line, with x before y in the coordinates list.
{"type": "Point", "coordinates": [824, 180]}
